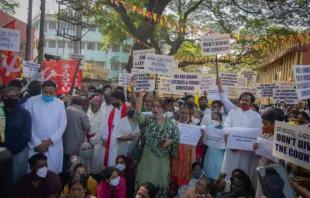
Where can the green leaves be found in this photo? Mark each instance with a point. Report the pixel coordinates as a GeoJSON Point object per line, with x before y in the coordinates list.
{"type": "Point", "coordinates": [8, 6]}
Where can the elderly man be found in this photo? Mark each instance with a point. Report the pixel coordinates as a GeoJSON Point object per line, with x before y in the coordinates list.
{"type": "Point", "coordinates": [49, 122]}
{"type": "Point", "coordinates": [77, 126]}
{"type": "Point", "coordinates": [17, 131]}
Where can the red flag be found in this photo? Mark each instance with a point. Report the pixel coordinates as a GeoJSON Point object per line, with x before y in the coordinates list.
{"type": "Point", "coordinates": [10, 25]}
{"type": "Point", "coordinates": [78, 80]}
{"type": "Point", "coordinates": [61, 72]}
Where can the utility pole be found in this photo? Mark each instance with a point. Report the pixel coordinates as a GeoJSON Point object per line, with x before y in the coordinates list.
{"type": "Point", "coordinates": [28, 33]}
{"type": "Point", "coordinates": [41, 36]}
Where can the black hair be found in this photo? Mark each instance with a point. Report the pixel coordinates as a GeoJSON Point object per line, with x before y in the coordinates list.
{"type": "Point", "coordinates": [122, 157]}
{"type": "Point", "coordinates": [256, 107]}
{"type": "Point", "coordinates": [294, 112]}
{"type": "Point", "coordinates": [238, 170]}
{"type": "Point", "coordinates": [201, 114]}
{"type": "Point", "coordinates": [218, 102]}
{"type": "Point", "coordinates": [91, 87]}
{"type": "Point", "coordinates": [305, 115]}
{"type": "Point", "coordinates": [247, 94]}
{"type": "Point", "coordinates": [247, 184]}
{"type": "Point", "coordinates": [118, 95]}
{"type": "Point", "coordinates": [36, 157]}
{"type": "Point", "coordinates": [34, 88]}
{"type": "Point", "coordinates": [218, 114]}
{"type": "Point", "coordinates": [106, 87]}
{"type": "Point", "coordinates": [196, 164]}
{"type": "Point", "coordinates": [80, 165]}
{"type": "Point", "coordinates": [107, 173]}
{"type": "Point", "coordinates": [49, 83]}
{"type": "Point", "coordinates": [209, 185]}
{"type": "Point", "coordinates": [273, 114]}
{"type": "Point", "coordinates": [151, 189]}
{"type": "Point", "coordinates": [99, 91]}
{"type": "Point", "coordinates": [202, 98]}
{"type": "Point", "coordinates": [15, 83]}
{"type": "Point", "coordinates": [188, 97]}
{"type": "Point", "coordinates": [82, 179]}
{"type": "Point", "coordinates": [77, 100]}
{"type": "Point", "coordinates": [120, 88]}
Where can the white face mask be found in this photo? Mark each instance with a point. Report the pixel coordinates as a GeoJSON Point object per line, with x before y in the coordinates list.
{"type": "Point", "coordinates": [120, 167]}
{"type": "Point", "coordinates": [195, 120]}
{"type": "Point", "coordinates": [157, 117]}
{"type": "Point", "coordinates": [115, 182]}
{"type": "Point", "coordinates": [176, 109]}
{"type": "Point", "coordinates": [169, 114]}
{"type": "Point", "coordinates": [42, 172]}
{"type": "Point", "coordinates": [215, 123]}
{"type": "Point", "coordinates": [83, 97]}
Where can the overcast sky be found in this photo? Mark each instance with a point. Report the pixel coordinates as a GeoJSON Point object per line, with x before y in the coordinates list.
{"type": "Point", "coordinates": [22, 10]}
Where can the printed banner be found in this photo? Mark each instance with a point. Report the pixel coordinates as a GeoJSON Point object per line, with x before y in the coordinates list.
{"type": "Point", "coordinates": [139, 57]}
{"type": "Point", "coordinates": [29, 68]}
{"type": "Point", "coordinates": [145, 82]}
{"type": "Point", "coordinates": [266, 90]}
{"type": "Point", "coordinates": [164, 85]}
{"type": "Point", "coordinates": [61, 72]}
{"type": "Point", "coordinates": [207, 82]}
{"type": "Point", "coordinates": [229, 79]}
{"type": "Point", "coordinates": [189, 134]}
{"type": "Point", "coordinates": [121, 79]}
{"type": "Point", "coordinates": [265, 149]}
{"type": "Point", "coordinates": [215, 44]}
{"type": "Point", "coordinates": [9, 40]}
{"type": "Point", "coordinates": [289, 96]}
{"type": "Point", "coordinates": [214, 138]}
{"type": "Point", "coordinates": [159, 64]}
{"type": "Point", "coordinates": [302, 79]}
{"type": "Point", "coordinates": [242, 138]}
{"type": "Point", "coordinates": [185, 83]}
{"type": "Point", "coordinates": [292, 143]}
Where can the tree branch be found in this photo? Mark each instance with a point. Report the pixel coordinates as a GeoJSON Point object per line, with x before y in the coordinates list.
{"type": "Point", "coordinates": [247, 11]}
{"type": "Point", "coordinates": [192, 9]}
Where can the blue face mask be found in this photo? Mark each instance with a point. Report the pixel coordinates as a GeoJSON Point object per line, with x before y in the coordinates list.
{"type": "Point", "coordinates": [47, 98]}
{"type": "Point", "coordinates": [130, 113]}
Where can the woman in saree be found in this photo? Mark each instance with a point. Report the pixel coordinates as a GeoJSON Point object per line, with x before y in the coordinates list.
{"type": "Point", "coordinates": [162, 139]}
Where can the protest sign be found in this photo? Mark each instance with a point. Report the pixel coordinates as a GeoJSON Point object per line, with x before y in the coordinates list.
{"type": "Point", "coordinates": [121, 79]}
{"type": "Point", "coordinates": [233, 92]}
{"type": "Point", "coordinates": [302, 79]}
{"type": "Point", "coordinates": [229, 79]}
{"type": "Point", "coordinates": [207, 82]}
{"type": "Point", "coordinates": [9, 40]}
{"type": "Point", "coordinates": [289, 96]}
{"type": "Point", "coordinates": [215, 44]}
{"type": "Point", "coordinates": [242, 138]}
{"type": "Point", "coordinates": [145, 82]}
{"type": "Point", "coordinates": [251, 76]}
{"type": "Point", "coordinates": [242, 82]}
{"type": "Point", "coordinates": [265, 149]}
{"type": "Point", "coordinates": [185, 82]}
{"type": "Point", "coordinates": [159, 64]}
{"type": "Point", "coordinates": [164, 85]}
{"type": "Point", "coordinates": [266, 90]}
{"type": "Point", "coordinates": [189, 134]}
{"type": "Point", "coordinates": [29, 68]}
{"type": "Point", "coordinates": [214, 138]}
{"type": "Point", "coordinates": [139, 57]}
{"type": "Point", "coordinates": [292, 143]}
{"type": "Point", "coordinates": [136, 71]}
{"type": "Point", "coordinates": [214, 93]}
{"type": "Point", "coordinates": [286, 85]}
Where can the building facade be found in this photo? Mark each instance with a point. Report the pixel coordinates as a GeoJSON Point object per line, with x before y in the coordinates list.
{"type": "Point", "coordinates": [114, 59]}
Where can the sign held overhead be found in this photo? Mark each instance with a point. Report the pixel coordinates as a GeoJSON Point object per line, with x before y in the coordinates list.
{"type": "Point", "coordinates": [215, 44]}
{"type": "Point", "coordinates": [9, 40]}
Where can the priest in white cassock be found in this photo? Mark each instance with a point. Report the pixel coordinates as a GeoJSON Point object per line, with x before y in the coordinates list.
{"type": "Point", "coordinates": [109, 136]}
{"type": "Point", "coordinates": [242, 116]}
{"type": "Point", "coordinates": [49, 122]}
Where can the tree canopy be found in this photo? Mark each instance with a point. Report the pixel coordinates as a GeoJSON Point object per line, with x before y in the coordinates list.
{"type": "Point", "coordinates": [8, 6]}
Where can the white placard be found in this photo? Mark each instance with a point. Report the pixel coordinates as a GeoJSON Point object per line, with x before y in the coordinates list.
{"type": "Point", "coordinates": [9, 40]}
{"type": "Point", "coordinates": [266, 90]}
{"type": "Point", "coordinates": [214, 93]}
{"type": "Point", "coordinates": [214, 138]}
{"type": "Point", "coordinates": [251, 76]}
{"type": "Point", "coordinates": [242, 82]}
{"type": "Point", "coordinates": [159, 64]}
{"type": "Point", "coordinates": [289, 96]}
{"type": "Point", "coordinates": [139, 57]}
{"type": "Point", "coordinates": [164, 85]}
{"type": "Point", "coordinates": [207, 82]}
{"type": "Point", "coordinates": [136, 71]}
{"type": "Point", "coordinates": [185, 83]}
{"type": "Point", "coordinates": [292, 143]}
{"type": "Point", "coordinates": [36, 76]}
{"type": "Point", "coordinates": [265, 149]}
{"type": "Point", "coordinates": [189, 134]}
{"type": "Point", "coordinates": [302, 79]}
{"type": "Point", "coordinates": [145, 82]}
{"type": "Point", "coordinates": [242, 138]}
{"type": "Point", "coordinates": [148, 113]}
{"type": "Point", "coordinates": [215, 44]}
{"type": "Point", "coordinates": [29, 68]}
{"type": "Point", "coordinates": [229, 79]}
{"type": "Point", "coordinates": [121, 79]}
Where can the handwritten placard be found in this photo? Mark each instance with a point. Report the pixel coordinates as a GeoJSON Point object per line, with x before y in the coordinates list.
{"type": "Point", "coordinates": [121, 79]}
{"type": "Point", "coordinates": [189, 134]}
{"type": "Point", "coordinates": [251, 76]}
{"type": "Point", "coordinates": [139, 57]}
{"type": "Point", "coordinates": [9, 40]}
{"type": "Point", "coordinates": [159, 64]}
{"type": "Point", "coordinates": [207, 82]}
{"type": "Point", "coordinates": [214, 138]}
{"type": "Point", "coordinates": [265, 149]}
{"type": "Point", "coordinates": [29, 68]}
{"type": "Point", "coordinates": [164, 85]}
{"type": "Point", "coordinates": [302, 79]}
{"type": "Point", "coordinates": [242, 138]}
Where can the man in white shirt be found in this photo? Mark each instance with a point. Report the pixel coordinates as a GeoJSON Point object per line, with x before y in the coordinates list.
{"type": "Point", "coordinates": [49, 122]}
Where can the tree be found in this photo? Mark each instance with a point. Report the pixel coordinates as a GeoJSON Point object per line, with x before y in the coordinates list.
{"type": "Point", "coordinates": [8, 6]}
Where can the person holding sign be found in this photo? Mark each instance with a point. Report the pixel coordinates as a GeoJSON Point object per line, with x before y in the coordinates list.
{"type": "Point", "coordinates": [303, 119]}
{"type": "Point", "coordinates": [268, 120]}
{"type": "Point", "coordinates": [242, 116]}
{"type": "Point", "coordinates": [162, 139]}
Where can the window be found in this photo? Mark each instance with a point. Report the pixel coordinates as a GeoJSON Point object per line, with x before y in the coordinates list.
{"type": "Point", "coordinates": [83, 45]}
{"type": "Point", "coordinates": [61, 44]}
{"type": "Point", "coordinates": [70, 45]}
{"type": "Point", "coordinates": [70, 26]}
{"type": "Point", "coordinates": [52, 44]}
{"type": "Point", "coordinates": [99, 46]}
{"type": "Point", "coordinates": [62, 26]}
{"type": "Point", "coordinates": [53, 25]}
{"type": "Point", "coordinates": [115, 66]}
{"type": "Point", "coordinates": [45, 25]}
{"type": "Point", "coordinates": [115, 48]}
{"type": "Point", "coordinates": [126, 48]}
{"type": "Point", "coordinates": [91, 46]}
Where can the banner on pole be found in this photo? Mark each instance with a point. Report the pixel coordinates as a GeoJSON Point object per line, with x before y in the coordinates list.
{"type": "Point", "coordinates": [207, 82]}
{"type": "Point", "coordinates": [215, 44]}
{"type": "Point", "coordinates": [9, 40]}
{"type": "Point", "coordinates": [29, 68]}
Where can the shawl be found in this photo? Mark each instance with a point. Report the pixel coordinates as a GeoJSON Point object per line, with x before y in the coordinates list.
{"type": "Point", "coordinates": [93, 165]}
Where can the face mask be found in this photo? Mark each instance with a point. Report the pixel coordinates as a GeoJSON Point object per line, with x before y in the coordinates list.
{"type": "Point", "coordinates": [47, 98]}
{"type": "Point", "coordinates": [42, 172]}
{"type": "Point", "coordinates": [10, 102]}
{"type": "Point", "coordinates": [197, 174]}
{"type": "Point", "coordinates": [144, 109]}
{"type": "Point", "coordinates": [130, 113]}
{"type": "Point", "coordinates": [115, 182]}
{"type": "Point", "coordinates": [245, 107]}
{"type": "Point", "coordinates": [90, 95]}
{"type": "Point", "coordinates": [169, 114]}
{"type": "Point", "coordinates": [268, 129]}
{"type": "Point", "coordinates": [190, 105]}
{"type": "Point", "coordinates": [120, 167]}
{"type": "Point", "coordinates": [157, 117]}
{"type": "Point", "coordinates": [87, 154]}
{"type": "Point", "coordinates": [115, 105]}
{"type": "Point", "coordinates": [226, 111]}
{"type": "Point", "coordinates": [203, 107]}
{"type": "Point", "coordinates": [215, 123]}
{"type": "Point", "coordinates": [176, 109]}
{"type": "Point", "coordinates": [83, 97]}
{"type": "Point", "coordinates": [195, 120]}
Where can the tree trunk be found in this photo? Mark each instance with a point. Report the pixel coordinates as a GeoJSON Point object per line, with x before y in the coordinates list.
{"type": "Point", "coordinates": [41, 36]}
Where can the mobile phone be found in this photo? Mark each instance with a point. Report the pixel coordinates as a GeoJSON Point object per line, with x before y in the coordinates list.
{"type": "Point", "coordinates": [275, 182]}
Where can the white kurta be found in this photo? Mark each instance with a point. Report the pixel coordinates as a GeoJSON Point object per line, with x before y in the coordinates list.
{"type": "Point", "coordinates": [243, 160]}
{"type": "Point", "coordinates": [96, 127]}
{"type": "Point", "coordinates": [49, 121]}
{"type": "Point", "coordinates": [124, 129]}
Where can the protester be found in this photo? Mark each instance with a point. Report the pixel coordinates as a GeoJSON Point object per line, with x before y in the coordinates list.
{"type": "Point", "coordinates": [148, 102]}
{"type": "Point", "coordinates": [78, 188]}
{"type": "Point", "coordinates": [40, 182]}
{"type": "Point", "coordinates": [107, 88]}
{"type": "Point", "coordinates": [162, 138]}
{"type": "Point", "coordinates": [241, 187]}
{"type": "Point", "coordinates": [146, 190]}
{"type": "Point", "coordinates": [190, 102]}
{"type": "Point", "coordinates": [126, 171]}
{"type": "Point", "coordinates": [17, 131]}
{"type": "Point", "coordinates": [77, 126]}
{"type": "Point", "coordinates": [112, 185]}
{"type": "Point", "coordinates": [85, 103]}
{"type": "Point", "coordinates": [196, 120]}
{"type": "Point", "coordinates": [293, 116]}
{"type": "Point", "coordinates": [16, 83]}
{"type": "Point", "coordinates": [303, 119]}
{"type": "Point", "coordinates": [100, 94]}
{"type": "Point", "coordinates": [96, 117]}
{"type": "Point", "coordinates": [82, 170]}
{"type": "Point", "coordinates": [119, 88]}
{"type": "Point", "coordinates": [176, 110]}
{"type": "Point", "coordinates": [91, 91]}
{"type": "Point", "coordinates": [126, 131]}
{"type": "Point", "coordinates": [118, 112]}
{"type": "Point", "coordinates": [107, 106]}
{"type": "Point", "coordinates": [202, 189]}
{"type": "Point", "coordinates": [203, 105]}
{"type": "Point", "coordinates": [169, 111]}
{"type": "Point", "coordinates": [34, 89]}
{"type": "Point", "coordinates": [48, 125]}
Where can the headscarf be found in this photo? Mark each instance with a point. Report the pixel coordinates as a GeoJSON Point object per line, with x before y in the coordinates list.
{"type": "Point", "coordinates": [94, 166]}
{"type": "Point", "coordinates": [96, 99]}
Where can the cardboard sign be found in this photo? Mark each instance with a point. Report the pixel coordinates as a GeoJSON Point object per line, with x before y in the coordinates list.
{"type": "Point", "coordinates": [265, 149]}
{"type": "Point", "coordinates": [242, 138]}
{"type": "Point", "coordinates": [29, 68]}
{"type": "Point", "coordinates": [139, 57]}
{"type": "Point", "coordinates": [302, 79]}
{"type": "Point", "coordinates": [185, 83]}
{"type": "Point", "coordinates": [214, 138]}
{"type": "Point", "coordinates": [121, 79]}
{"type": "Point", "coordinates": [159, 64]}
{"type": "Point", "coordinates": [251, 76]}
{"type": "Point", "coordinates": [207, 82]}
{"type": "Point", "coordinates": [164, 85]}
{"type": "Point", "coordinates": [145, 82]}
{"type": "Point", "coordinates": [266, 90]}
{"type": "Point", "coordinates": [292, 143]}
{"type": "Point", "coordinates": [289, 96]}
{"type": "Point", "coordinates": [9, 40]}
{"type": "Point", "coordinates": [189, 134]}
{"type": "Point", "coordinates": [229, 79]}
{"type": "Point", "coordinates": [214, 93]}
{"type": "Point", "coordinates": [215, 44]}
{"type": "Point", "coordinates": [242, 82]}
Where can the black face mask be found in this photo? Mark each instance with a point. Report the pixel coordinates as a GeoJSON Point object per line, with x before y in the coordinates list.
{"type": "Point", "coordinates": [115, 104]}
{"type": "Point", "coordinates": [190, 104]}
{"type": "Point", "coordinates": [10, 102]}
{"type": "Point", "coordinates": [203, 106]}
